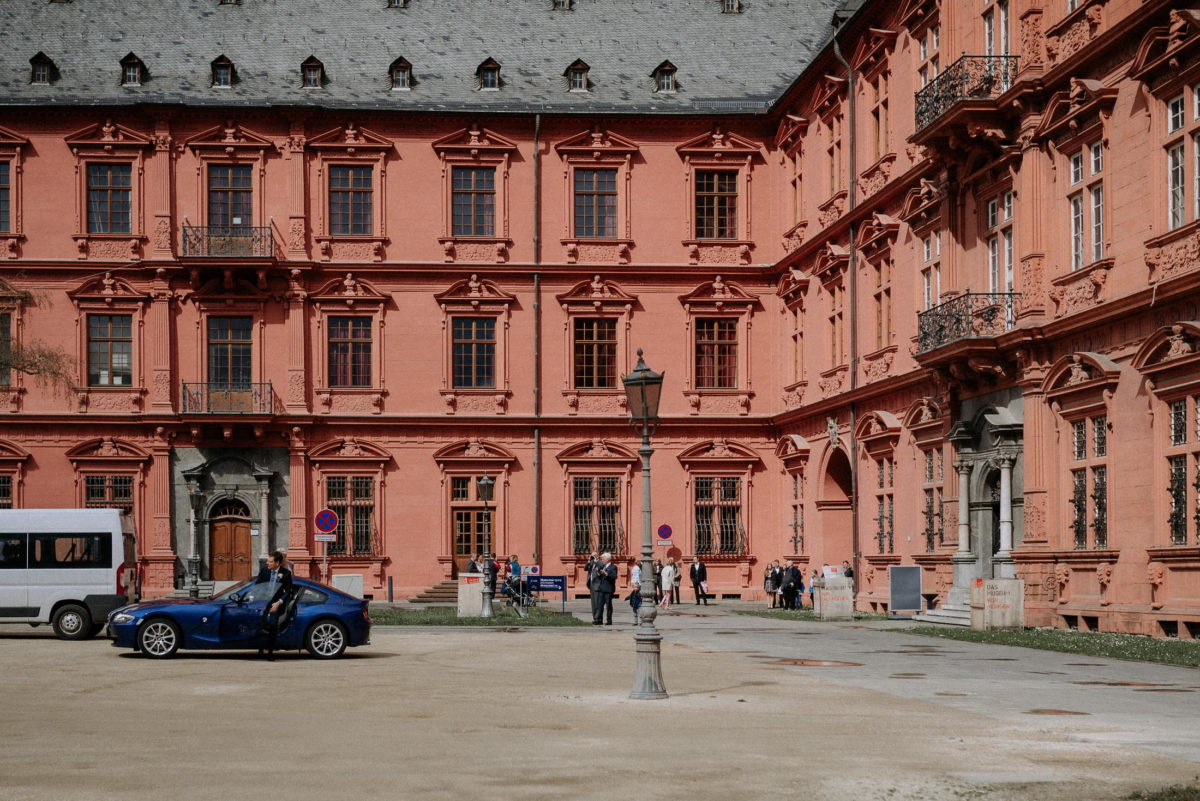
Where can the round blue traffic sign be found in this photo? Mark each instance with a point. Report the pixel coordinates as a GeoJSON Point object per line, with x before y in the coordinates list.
{"type": "Point", "coordinates": [326, 520]}
{"type": "Point", "coordinates": [664, 532]}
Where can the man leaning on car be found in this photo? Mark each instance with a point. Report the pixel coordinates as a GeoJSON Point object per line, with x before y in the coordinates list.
{"type": "Point", "coordinates": [276, 574]}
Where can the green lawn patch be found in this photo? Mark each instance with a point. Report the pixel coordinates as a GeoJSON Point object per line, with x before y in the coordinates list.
{"type": "Point", "coordinates": [798, 614]}
{"type": "Point", "coordinates": [1176, 792]}
{"type": "Point", "coordinates": [448, 616]}
{"type": "Point", "coordinates": [1114, 646]}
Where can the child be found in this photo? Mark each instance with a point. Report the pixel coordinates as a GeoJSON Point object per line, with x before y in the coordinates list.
{"type": "Point", "coordinates": [635, 601]}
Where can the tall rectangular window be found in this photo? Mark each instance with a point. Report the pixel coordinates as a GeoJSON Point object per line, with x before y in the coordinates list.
{"type": "Point", "coordinates": [6, 492]}
{"type": "Point", "coordinates": [716, 204]}
{"type": "Point", "coordinates": [350, 200]}
{"type": "Point", "coordinates": [595, 353]}
{"type": "Point", "coordinates": [353, 498]}
{"type": "Point", "coordinates": [109, 192]}
{"type": "Point", "coordinates": [928, 45]}
{"type": "Point", "coordinates": [5, 198]}
{"type": "Point", "coordinates": [473, 201]}
{"type": "Point", "coordinates": [1175, 185]}
{"type": "Point", "coordinates": [718, 516]}
{"type": "Point", "coordinates": [595, 203]}
{"type": "Point", "coordinates": [932, 480]}
{"type": "Point", "coordinates": [837, 324]}
{"type": "Point", "coordinates": [110, 350]}
{"type": "Point", "coordinates": [1000, 268]}
{"type": "Point", "coordinates": [596, 503]}
{"type": "Point", "coordinates": [880, 130]}
{"type": "Point", "coordinates": [350, 351]}
{"type": "Point", "coordinates": [473, 357]}
{"type": "Point", "coordinates": [716, 353]}
{"type": "Point", "coordinates": [229, 350]}
{"type": "Point", "coordinates": [1077, 232]}
{"type": "Point", "coordinates": [6, 345]}
{"type": "Point", "coordinates": [885, 505]}
{"type": "Point", "coordinates": [1089, 481]}
{"type": "Point", "coordinates": [229, 195]}
{"type": "Point", "coordinates": [108, 492]}
{"type": "Point", "coordinates": [1182, 164]}
{"type": "Point", "coordinates": [931, 271]}
{"type": "Point", "coordinates": [882, 298]}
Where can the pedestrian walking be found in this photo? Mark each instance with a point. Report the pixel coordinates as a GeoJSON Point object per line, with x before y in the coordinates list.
{"type": "Point", "coordinates": [771, 583]}
{"type": "Point", "coordinates": [666, 582]}
{"type": "Point", "coordinates": [698, 573]}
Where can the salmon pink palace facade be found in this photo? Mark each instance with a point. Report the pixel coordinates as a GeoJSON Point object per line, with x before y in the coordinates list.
{"type": "Point", "coordinates": [923, 277]}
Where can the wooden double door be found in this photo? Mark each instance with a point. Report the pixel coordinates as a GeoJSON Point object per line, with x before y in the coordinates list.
{"type": "Point", "coordinates": [229, 549]}
{"type": "Point", "coordinates": [472, 534]}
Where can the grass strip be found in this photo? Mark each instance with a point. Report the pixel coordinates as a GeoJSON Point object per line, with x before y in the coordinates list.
{"type": "Point", "coordinates": [798, 614]}
{"type": "Point", "coordinates": [1136, 648]}
{"type": "Point", "coordinates": [448, 616]}
{"type": "Point", "coordinates": [1176, 792]}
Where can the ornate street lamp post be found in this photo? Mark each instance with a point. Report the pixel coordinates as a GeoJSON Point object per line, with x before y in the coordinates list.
{"type": "Point", "coordinates": [643, 388]}
{"type": "Point", "coordinates": [485, 483]}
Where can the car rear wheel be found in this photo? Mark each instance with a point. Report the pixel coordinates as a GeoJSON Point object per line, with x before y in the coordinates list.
{"type": "Point", "coordinates": [72, 622]}
{"type": "Point", "coordinates": [158, 638]}
{"type": "Point", "coordinates": [326, 639]}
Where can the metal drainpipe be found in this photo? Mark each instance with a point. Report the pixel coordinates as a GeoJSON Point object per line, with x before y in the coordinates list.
{"type": "Point", "coordinates": [537, 338]}
{"type": "Point", "coordinates": [852, 268]}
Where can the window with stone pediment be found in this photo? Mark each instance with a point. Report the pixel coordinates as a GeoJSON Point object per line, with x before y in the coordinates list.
{"type": "Point", "coordinates": [351, 168]}
{"type": "Point", "coordinates": [110, 315]}
{"type": "Point", "coordinates": [351, 479]}
{"type": "Point", "coordinates": [350, 317]}
{"type": "Point", "coordinates": [108, 160]}
{"type": "Point", "coordinates": [719, 166]}
{"type": "Point", "coordinates": [109, 474]}
{"type": "Point", "coordinates": [475, 377]}
{"type": "Point", "coordinates": [595, 344]}
{"type": "Point", "coordinates": [719, 320]}
{"type": "Point", "coordinates": [720, 484]}
{"type": "Point", "coordinates": [474, 516]}
{"type": "Point", "coordinates": [12, 473]}
{"type": "Point", "coordinates": [596, 483]}
{"type": "Point", "coordinates": [1085, 203]}
{"type": "Point", "coordinates": [596, 221]}
{"type": "Point", "coordinates": [475, 174]}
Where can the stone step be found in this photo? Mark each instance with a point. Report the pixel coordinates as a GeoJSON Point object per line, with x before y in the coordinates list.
{"type": "Point", "coordinates": [206, 590]}
{"type": "Point", "coordinates": [946, 616]}
{"type": "Point", "coordinates": [441, 593]}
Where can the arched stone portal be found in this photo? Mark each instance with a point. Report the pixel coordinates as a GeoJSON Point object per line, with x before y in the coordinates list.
{"type": "Point", "coordinates": [835, 511]}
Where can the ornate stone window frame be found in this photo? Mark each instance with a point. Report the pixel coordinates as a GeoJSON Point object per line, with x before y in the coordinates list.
{"type": "Point", "coordinates": [597, 458]}
{"type": "Point", "coordinates": [598, 149]}
{"type": "Point", "coordinates": [596, 298]}
{"type": "Point", "coordinates": [877, 435]}
{"type": "Point", "coordinates": [473, 457]}
{"type": "Point", "coordinates": [875, 241]}
{"type": "Point", "coordinates": [829, 268]}
{"type": "Point", "coordinates": [110, 143]}
{"type": "Point", "coordinates": [355, 457]}
{"type": "Point", "coordinates": [475, 146]}
{"type": "Point", "coordinates": [230, 144]}
{"type": "Point", "coordinates": [13, 459]}
{"type": "Point", "coordinates": [792, 451]}
{"type": "Point", "coordinates": [476, 297]}
{"type": "Point", "coordinates": [351, 146]}
{"type": "Point", "coordinates": [720, 150]}
{"type": "Point", "coordinates": [229, 296]}
{"type": "Point", "coordinates": [350, 297]}
{"type": "Point", "coordinates": [721, 458]}
{"type": "Point", "coordinates": [109, 456]}
{"type": "Point", "coordinates": [792, 288]}
{"type": "Point", "coordinates": [12, 302]}
{"type": "Point", "coordinates": [110, 295]}
{"type": "Point", "coordinates": [724, 300]}
{"type": "Point", "coordinates": [12, 147]}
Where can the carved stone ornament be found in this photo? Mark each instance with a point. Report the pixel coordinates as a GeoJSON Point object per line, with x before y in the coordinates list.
{"type": "Point", "coordinates": [1031, 38]}
{"type": "Point", "coordinates": [475, 449]}
{"type": "Point", "coordinates": [831, 210]}
{"type": "Point", "coordinates": [1180, 344]}
{"type": "Point", "coordinates": [1073, 293]}
{"type": "Point", "coordinates": [878, 367]}
{"type": "Point", "coordinates": [1062, 46]}
{"type": "Point", "coordinates": [1078, 372]}
{"type": "Point", "coordinates": [1167, 261]}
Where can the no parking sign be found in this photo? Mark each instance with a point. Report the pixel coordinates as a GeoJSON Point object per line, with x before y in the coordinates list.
{"type": "Point", "coordinates": [664, 534]}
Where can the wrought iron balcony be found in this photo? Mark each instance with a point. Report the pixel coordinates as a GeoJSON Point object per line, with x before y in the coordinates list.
{"type": "Point", "coordinates": [972, 315]}
{"type": "Point", "coordinates": [228, 241]}
{"type": "Point", "coordinates": [228, 399]}
{"type": "Point", "coordinates": [969, 78]}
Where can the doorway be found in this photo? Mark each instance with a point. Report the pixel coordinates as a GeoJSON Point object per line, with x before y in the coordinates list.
{"type": "Point", "coordinates": [835, 510]}
{"type": "Point", "coordinates": [229, 541]}
{"type": "Point", "coordinates": [472, 535]}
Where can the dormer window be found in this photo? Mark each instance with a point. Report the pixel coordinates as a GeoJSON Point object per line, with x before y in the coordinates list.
{"type": "Point", "coordinates": [312, 73]}
{"type": "Point", "coordinates": [42, 69]}
{"type": "Point", "coordinates": [222, 73]}
{"type": "Point", "coordinates": [397, 4]}
{"type": "Point", "coordinates": [664, 77]}
{"type": "Point", "coordinates": [489, 75]}
{"type": "Point", "coordinates": [577, 77]}
{"type": "Point", "coordinates": [731, 6]}
{"type": "Point", "coordinates": [401, 72]}
{"type": "Point", "coordinates": [562, 5]}
{"type": "Point", "coordinates": [133, 71]}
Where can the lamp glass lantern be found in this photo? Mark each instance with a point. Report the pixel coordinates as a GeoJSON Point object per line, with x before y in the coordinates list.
{"type": "Point", "coordinates": [643, 389]}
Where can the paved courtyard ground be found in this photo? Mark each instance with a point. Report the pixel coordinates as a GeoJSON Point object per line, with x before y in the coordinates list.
{"type": "Point", "coordinates": [543, 714]}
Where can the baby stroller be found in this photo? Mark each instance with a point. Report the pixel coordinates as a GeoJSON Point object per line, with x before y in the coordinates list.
{"type": "Point", "coordinates": [518, 597]}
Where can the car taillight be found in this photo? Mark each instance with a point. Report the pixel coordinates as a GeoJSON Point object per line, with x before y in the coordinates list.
{"type": "Point", "coordinates": [366, 614]}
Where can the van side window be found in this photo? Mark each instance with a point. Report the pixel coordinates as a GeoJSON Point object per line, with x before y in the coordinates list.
{"type": "Point", "coordinates": [71, 551]}
{"type": "Point", "coordinates": [12, 551]}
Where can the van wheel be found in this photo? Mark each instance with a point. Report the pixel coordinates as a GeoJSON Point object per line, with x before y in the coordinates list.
{"type": "Point", "coordinates": [158, 638]}
{"type": "Point", "coordinates": [72, 622]}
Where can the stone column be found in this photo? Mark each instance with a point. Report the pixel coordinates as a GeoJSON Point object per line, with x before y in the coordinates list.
{"type": "Point", "coordinates": [296, 400]}
{"type": "Point", "coordinates": [158, 183]}
{"type": "Point", "coordinates": [963, 558]}
{"type": "Point", "coordinates": [160, 342]}
{"type": "Point", "coordinates": [297, 541]}
{"type": "Point", "coordinates": [264, 505]}
{"type": "Point", "coordinates": [158, 559]}
{"type": "Point", "coordinates": [1002, 562]}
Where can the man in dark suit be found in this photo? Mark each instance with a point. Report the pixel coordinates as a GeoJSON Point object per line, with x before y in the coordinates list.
{"type": "Point", "coordinates": [699, 575]}
{"type": "Point", "coordinates": [589, 570]}
{"type": "Point", "coordinates": [603, 587]}
{"type": "Point", "coordinates": [276, 574]}
{"type": "Point", "coordinates": [777, 582]}
{"type": "Point", "coordinates": [793, 580]}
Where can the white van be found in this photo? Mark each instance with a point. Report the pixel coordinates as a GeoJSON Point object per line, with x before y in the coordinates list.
{"type": "Point", "coordinates": [66, 567]}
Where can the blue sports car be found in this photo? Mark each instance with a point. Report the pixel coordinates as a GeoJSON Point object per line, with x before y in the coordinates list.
{"type": "Point", "coordinates": [320, 619]}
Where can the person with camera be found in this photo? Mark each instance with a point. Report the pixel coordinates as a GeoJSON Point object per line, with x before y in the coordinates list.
{"type": "Point", "coordinates": [604, 586]}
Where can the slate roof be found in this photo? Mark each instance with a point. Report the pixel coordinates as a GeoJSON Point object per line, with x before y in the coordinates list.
{"type": "Point", "coordinates": [727, 63]}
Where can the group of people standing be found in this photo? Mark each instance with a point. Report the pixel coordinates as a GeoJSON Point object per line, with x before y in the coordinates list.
{"type": "Point", "coordinates": [784, 584]}
{"type": "Point", "coordinates": [602, 584]}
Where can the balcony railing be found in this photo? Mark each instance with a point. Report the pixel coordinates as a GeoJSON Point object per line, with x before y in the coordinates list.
{"type": "Point", "coordinates": [971, 315]}
{"type": "Point", "coordinates": [228, 241]}
{"type": "Point", "coordinates": [969, 78]}
{"type": "Point", "coordinates": [228, 399]}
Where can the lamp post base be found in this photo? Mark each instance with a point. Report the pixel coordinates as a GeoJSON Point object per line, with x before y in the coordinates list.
{"type": "Point", "coordinates": [647, 680]}
{"type": "Point", "coordinates": [486, 611]}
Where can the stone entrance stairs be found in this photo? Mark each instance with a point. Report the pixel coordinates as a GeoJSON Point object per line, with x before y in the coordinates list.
{"type": "Point", "coordinates": [445, 592]}
{"type": "Point", "coordinates": [947, 615]}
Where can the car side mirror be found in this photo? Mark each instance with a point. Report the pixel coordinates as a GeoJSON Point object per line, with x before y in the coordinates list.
{"type": "Point", "coordinates": [237, 598]}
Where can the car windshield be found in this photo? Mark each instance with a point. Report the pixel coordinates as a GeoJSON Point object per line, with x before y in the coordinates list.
{"type": "Point", "coordinates": [249, 591]}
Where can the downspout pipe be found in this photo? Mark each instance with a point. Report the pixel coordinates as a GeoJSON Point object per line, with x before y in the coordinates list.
{"type": "Point", "coordinates": [852, 285]}
{"type": "Point", "coordinates": [537, 338]}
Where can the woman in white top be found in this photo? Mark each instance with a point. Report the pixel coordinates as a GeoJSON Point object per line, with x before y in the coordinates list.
{"type": "Point", "coordinates": [666, 581]}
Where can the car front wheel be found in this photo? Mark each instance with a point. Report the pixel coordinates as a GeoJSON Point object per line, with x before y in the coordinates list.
{"type": "Point", "coordinates": [72, 622]}
{"type": "Point", "coordinates": [326, 639]}
{"type": "Point", "coordinates": [158, 638]}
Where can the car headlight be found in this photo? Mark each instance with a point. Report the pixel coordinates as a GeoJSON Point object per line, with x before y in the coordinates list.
{"type": "Point", "coordinates": [121, 617]}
